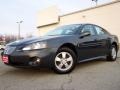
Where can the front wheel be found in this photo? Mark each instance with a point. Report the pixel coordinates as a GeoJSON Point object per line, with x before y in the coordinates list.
{"type": "Point", "coordinates": [65, 61]}
{"type": "Point", "coordinates": [113, 54]}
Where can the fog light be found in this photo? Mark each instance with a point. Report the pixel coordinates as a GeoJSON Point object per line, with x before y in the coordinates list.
{"type": "Point", "coordinates": [38, 60]}
{"type": "Point", "coordinates": [35, 61]}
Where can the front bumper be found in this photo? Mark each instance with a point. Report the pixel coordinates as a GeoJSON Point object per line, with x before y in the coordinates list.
{"type": "Point", "coordinates": [25, 58]}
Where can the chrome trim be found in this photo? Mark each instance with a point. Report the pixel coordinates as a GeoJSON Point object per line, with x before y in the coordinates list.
{"type": "Point", "coordinates": [91, 59]}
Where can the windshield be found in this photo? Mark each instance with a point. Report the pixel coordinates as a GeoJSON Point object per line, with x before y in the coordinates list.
{"type": "Point", "coordinates": [64, 30]}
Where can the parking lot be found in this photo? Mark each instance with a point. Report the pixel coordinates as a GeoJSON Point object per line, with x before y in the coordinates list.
{"type": "Point", "coordinates": [92, 75]}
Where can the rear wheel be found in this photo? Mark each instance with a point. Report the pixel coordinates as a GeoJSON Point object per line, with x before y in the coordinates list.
{"type": "Point", "coordinates": [113, 54]}
{"type": "Point", "coordinates": [65, 61]}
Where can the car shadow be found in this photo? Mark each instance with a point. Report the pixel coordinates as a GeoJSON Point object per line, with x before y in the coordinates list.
{"type": "Point", "coordinates": [45, 72]}
{"type": "Point", "coordinates": [90, 63]}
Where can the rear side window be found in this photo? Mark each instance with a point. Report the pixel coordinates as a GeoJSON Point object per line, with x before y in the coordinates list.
{"type": "Point", "coordinates": [99, 30]}
{"type": "Point", "coordinates": [88, 28]}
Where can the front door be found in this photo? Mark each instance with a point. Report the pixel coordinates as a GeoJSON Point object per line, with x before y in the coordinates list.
{"type": "Point", "coordinates": [88, 47]}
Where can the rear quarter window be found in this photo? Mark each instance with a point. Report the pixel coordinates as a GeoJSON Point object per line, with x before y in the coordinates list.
{"type": "Point", "coordinates": [100, 31]}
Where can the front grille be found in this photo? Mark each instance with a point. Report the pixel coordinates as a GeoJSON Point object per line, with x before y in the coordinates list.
{"type": "Point", "coordinates": [9, 49]}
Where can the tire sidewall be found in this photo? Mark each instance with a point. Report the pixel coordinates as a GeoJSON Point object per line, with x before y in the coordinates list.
{"type": "Point", "coordinates": [110, 57]}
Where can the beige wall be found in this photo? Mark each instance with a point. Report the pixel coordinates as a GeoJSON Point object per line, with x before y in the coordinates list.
{"type": "Point", "coordinates": [107, 16]}
{"type": "Point", "coordinates": [48, 16]}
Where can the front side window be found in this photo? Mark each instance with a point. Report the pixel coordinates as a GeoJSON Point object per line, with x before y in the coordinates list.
{"type": "Point", "coordinates": [88, 28]}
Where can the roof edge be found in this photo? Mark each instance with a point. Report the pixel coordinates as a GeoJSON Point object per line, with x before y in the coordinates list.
{"type": "Point", "coordinates": [47, 25]}
{"type": "Point", "coordinates": [102, 5]}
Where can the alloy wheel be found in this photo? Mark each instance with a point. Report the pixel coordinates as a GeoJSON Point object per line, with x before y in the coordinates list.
{"type": "Point", "coordinates": [114, 53]}
{"type": "Point", "coordinates": [63, 61]}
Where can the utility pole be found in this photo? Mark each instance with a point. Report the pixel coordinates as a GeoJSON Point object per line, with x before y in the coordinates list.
{"type": "Point", "coordinates": [19, 28]}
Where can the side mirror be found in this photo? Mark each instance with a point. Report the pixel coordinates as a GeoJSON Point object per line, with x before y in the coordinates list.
{"type": "Point", "coordinates": [85, 34]}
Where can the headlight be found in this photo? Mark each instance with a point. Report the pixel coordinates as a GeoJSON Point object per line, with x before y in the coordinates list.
{"type": "Point", "coordinates": [34, 46]}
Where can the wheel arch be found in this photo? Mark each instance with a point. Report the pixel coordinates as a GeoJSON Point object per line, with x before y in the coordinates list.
{"type": "Point", "coordinates": [114, 43]}
{"type": "Point", "coordinates": [70, 46]}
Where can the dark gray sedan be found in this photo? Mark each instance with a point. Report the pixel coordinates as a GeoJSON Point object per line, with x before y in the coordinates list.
{"type": "Point", "coordinates": [62, 48]}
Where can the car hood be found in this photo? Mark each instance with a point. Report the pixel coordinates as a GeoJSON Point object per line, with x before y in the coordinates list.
{"type": "Point", "coordinates": [32, 40]}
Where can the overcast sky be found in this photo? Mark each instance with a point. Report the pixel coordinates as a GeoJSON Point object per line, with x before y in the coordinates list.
{"type": "Point", "coordinates": [12, 11]}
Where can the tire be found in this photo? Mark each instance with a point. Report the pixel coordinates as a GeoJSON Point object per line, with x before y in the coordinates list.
{"type": "Point", "coordinates": [65, 61]}
{"type": "Point", "coordinates": [113, 54]}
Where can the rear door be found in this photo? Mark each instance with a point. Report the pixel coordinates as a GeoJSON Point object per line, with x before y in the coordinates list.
{"type": "Point", "coordinates": [102, 40]}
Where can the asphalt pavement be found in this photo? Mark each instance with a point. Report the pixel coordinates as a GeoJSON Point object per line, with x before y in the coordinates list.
{"type": "Point", "coordinates": [92, 75]}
